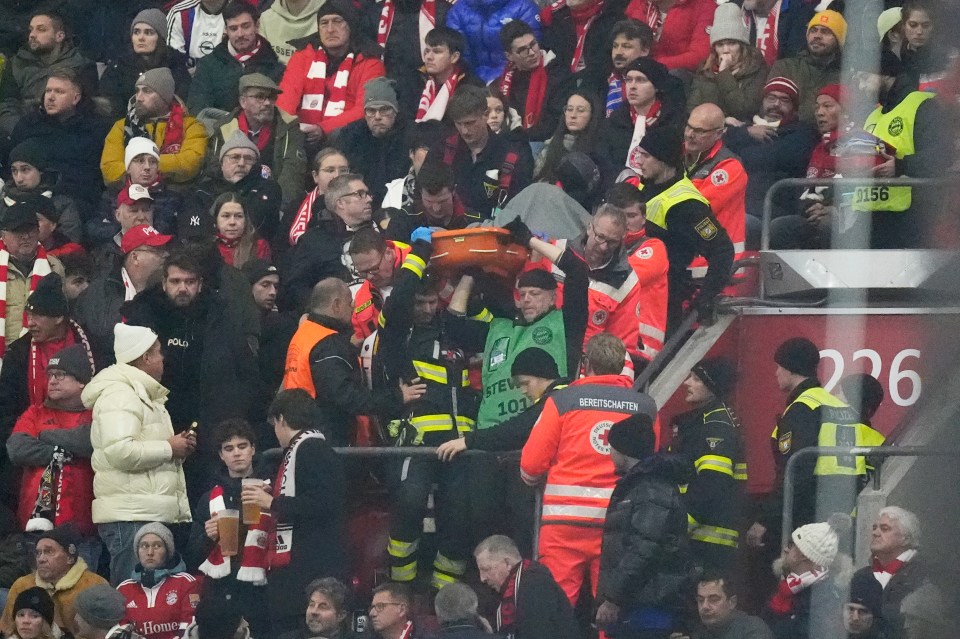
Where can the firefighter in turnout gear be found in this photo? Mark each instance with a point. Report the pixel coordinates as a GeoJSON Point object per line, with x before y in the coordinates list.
{"type": "Point", "coordinates": [412, 345]}
{"type": "Point", "coordinates": [708, 443]}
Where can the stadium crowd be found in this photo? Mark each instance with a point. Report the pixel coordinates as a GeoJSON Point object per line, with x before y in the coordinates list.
{"type": "Point", "coordinates": [218, 263]}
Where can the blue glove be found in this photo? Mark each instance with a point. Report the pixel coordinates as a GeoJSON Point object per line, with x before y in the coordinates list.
{"type": "Point", "coordinates": [424, 233]}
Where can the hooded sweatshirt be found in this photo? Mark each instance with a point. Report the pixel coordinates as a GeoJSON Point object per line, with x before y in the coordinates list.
{"type": "Point", "coordinates": [280, 27]}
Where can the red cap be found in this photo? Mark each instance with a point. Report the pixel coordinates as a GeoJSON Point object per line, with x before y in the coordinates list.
{"type": "Point", "coordinates": [143, 235]}
{"type": "Point", "coordinates": [836, 91]}
{"type": "Point", "coordinates": [133, 193]}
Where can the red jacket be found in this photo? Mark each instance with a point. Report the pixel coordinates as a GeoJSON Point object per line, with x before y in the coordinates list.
{"type": "Point", "coordinates": [76, 480]}
{"type": "Point", "coordinates": [164, 611]}
{"type": "Point", "coordinates": [295, 84]}
{"type": "Point", "coordinates": [684, 41]}
{"type": "Point", "coordinates": [648, 257]}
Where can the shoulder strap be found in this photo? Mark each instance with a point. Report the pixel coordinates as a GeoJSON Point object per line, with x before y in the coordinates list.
{"type": "Point", "coordinates": [506, 176]}
{"type": "Point", "coordinates": [186, 23]}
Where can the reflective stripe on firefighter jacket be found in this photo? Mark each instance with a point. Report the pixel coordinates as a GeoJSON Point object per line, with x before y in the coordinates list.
{"type": "Point", "coordinates": [368, 299]}
{"type": "Point", "coordinates": [297, 371]}
{"type": "Point", "coordinates": [569, 445]}
{"type": "Point", "coordinates": [896, 129]}
{"type": "Point", "coordinates": [840, 425]}
{"type": "Point", "coordinates": [721, 178]}
{"type": "Point", "coordinates": [648, 257]}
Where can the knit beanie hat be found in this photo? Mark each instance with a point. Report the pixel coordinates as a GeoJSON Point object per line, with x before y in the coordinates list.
{"type": "Point", "coordinates": [538, 278]}
{"type": "Point", "coordinates": [257, 269]}
{"type": "Point", "coordinates": [346, 10]}
{"type": "Point", "coordinates": [889, 19]}
{"type": "Point", "coordinates": [656, 72]}
{"type": "Point", "coordinates": [819, 542]}
{"type": "Point", "coordinates": [836, 91]}
{"type": "Point", "coordinates": [728, 24]}
{"type": "Point", "coordinates": [784, 85]}
{"type": "Point", "coordinates": [217, 618]}
{"type": "Point", "coordinates": [101, 606]}
{"type": "Point", "coordinates": [633, 436]}
{"type": "Point", "coordinates": [832, 20]}
{"type": "Point", "coordinates": [130, 342]}
{"type": "Point", "coordinates": [73, 361]}
{"type": "Point", "coordinates": [866, 591]}
{"type": "Point", "coordinates": [30, 152]}
{"type": "Point", "coordinates": [35, 599]}
{"type": "Point", "coordinates": [535, 362]}
{"type": "Point", "coordinates": [139, 146]}
{"type": "Point", "coordinates": [798, 355]}
{"type": "Point", "coordinates": [717, 374]}
{"type": "Point", "coordinates": [158, 529]}
{"type": "Point", "coordinates": [48, 299]}
{"type": "Point", "coordinates": [67, 536]}
{"type": "Point", "coordinates": [580, 177]}
{"type": "Point", "coordinates": [238, 140]}
{"type": "Point", "coordinates": [664, 143]}
{"type": "Point", "coordinates": [161, 81]}
{"type": "Point", "coordinates": [380, 92]}
{"type": "Point", "coordinates": [153, 18]}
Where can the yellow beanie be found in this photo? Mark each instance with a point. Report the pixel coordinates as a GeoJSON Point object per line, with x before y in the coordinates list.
{"type": "Point", "coordinates": [832, 20]}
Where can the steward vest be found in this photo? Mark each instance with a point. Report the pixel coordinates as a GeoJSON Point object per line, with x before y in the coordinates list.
{"type": "Point", "coordinates": [368, 299]}
{"type": "Point", "coordinates": [896, 129]}
{"type": "Point", "coordinates": [297, 371]}
{"type": "Point", "coordinates": [501, 398]}
{"type": "Point", "coordinates": [840, 425]}
{"type": "Point", "coordinates": [659, 205]}
{"type": "Point", "coordinates": [722, 180]}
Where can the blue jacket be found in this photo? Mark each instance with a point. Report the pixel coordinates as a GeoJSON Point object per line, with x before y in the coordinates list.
{"type": "Point", "coordinates": [479, 21]}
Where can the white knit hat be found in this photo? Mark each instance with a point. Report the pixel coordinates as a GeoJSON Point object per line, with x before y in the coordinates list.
{"type": "Point", "coordinates": [819, 542]}
{"type": "Point", "coordinates": [130, 342]}
{"type": "Point", "coordinates": [139, 146]}
{"type": "Point", "coordinates": [728, 24]}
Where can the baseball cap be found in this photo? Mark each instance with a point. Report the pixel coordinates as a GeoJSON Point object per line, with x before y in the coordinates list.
{"type": "Point", "coordinates": [133, 193]}
{"type": "Point", "coordinates": [143, 235]}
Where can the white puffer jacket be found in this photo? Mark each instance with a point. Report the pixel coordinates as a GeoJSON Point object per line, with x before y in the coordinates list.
{"type": "Point", "coordinates": [136, 477]}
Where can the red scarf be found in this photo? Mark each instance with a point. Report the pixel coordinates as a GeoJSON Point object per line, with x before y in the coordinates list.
{"type": "Point", "coordinates": [407, 632]}
{"type": "Point", "coordinates": [324, 97]}
{"type": "Point", "coordinates": [253, 555]}
{"type": "Point", "coordinates": [173, 134]}
{"type": "Point", "coordinates": [653, 113]}
{"type": "Point", "coordinates": [263, 137]}
{"type": "Point", "coordinates": [427, 21]}
{"type": "Point", "coordinates": [433, 101]}
{"type": "Point", "coordinates": [41, 267]}
{"type": "Point", "coordinates": [654, 19]}
{"type": "Point", "coordinates": [536, 92]}
{"type": "Point", "coordinates": [300, 221]}
{"type": "Point", "coordinates": [583, 17]}
{"type": "Point", "coordinates": [243, 58]}
{"type": "Point", "coordinates": [769, 41]}
{"type": "Point", "coordinates": [286, 486]}
{"type": "Point", "coordinates": [890, 568]}
{"type": "Point", "coordinates": [507, 610]}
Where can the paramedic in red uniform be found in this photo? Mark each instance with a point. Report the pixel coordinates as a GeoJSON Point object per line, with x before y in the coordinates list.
{"type": "Point", "coordinates": [568, 448]}
{"type": "Point", "coordinates": [377, 261]}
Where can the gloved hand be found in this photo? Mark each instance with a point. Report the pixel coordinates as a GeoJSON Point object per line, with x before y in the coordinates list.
{"type": "Point", "coordinates": [424, 233]}
{"type": "Point", "coordinates": [519, 231]}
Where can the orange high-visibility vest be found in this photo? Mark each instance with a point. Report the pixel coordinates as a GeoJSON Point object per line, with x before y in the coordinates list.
{"type": "Point", "coordinates": [297, 372]}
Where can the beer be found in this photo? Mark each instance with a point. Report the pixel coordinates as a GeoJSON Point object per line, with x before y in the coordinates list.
{"type": "Point", "coordinates": [228, 526]}
{"type": "Point", "coordinates": [251, 512]}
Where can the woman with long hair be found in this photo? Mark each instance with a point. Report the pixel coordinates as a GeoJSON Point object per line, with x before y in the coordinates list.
{"type": "Point", "coordinates": [577, 131]}
{"type": "Point", "coordinates": [33, 616]}
{"type": "Point", "coordinates": [923, 49]}
{"type": "Point", "coordinates": [236, 238]}
{"type": "Point", "coordinates": [328, 163]}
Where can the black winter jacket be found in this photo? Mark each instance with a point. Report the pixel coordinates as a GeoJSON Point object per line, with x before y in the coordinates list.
{"type": "Point", "coordinates": [97, 310]}
{"type": "Point", "coordinates": [378, 160]}
{"type": "Point", "coordinates": [117, 84]}
{"type": "Point", "coordinates": [542, 609]}
{"type": "Point", "coordinates": [216, 81]}
{"type": "Point", "coordinates": [262, 198]}
{"type": "Point", "coordinates": [560, 36]}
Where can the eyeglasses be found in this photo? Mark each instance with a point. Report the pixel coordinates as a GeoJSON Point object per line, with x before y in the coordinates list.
{"type": "Point", "coordinates": [369, 272]}
{"type": "Point", "coordinates": [782, 99]}
{"type": "Point", "coordinates": [240, 157]}
{"type": "Point", "coordinates": [699, 131]}
{"type": "Point", "coordinates": [527, 49]}
{"type": "Point", "coordinates": [57, 375]}
{"type": "Point", "coordinates": [381, 606]}
{"type": "Point", "coordinates": [261, 97]}
{"type": "Point", "coordinates": [381, 111]}
{"type": "Point", "coordinates": [606, 241]}
{"type": "Point", "coordinates": [360, 193]}
{"type": "Point", "coordinates": [335, 23]}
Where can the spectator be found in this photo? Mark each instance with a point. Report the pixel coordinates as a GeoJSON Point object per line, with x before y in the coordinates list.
{"type": "Point", "coordinates": [51, 442]}
{"type": "Point", "coordinates": [436, 205]}
{"type": "Point", "coordinates": [158, 114]}
{"type": "Point", "coordinates": [681, 30]}
{"type": "Point", "coordinates": [134, 447]}
{"type": "Point", "coordinates": [71, 132]}
{"type": "Point", "coordinates": [420, 137]}
{"type": "Point", "coordinates": [33, 615]}
{"type": "Point", "coordinates": [51, 238]}
{"type": "Point", "coordinates": [864, 394]}
{"type": "Point", "coordinates": [719, 616]}
{"type": "Point", "coordinates": [134, 207]}
{"type": "Point", "coordinates": [631, 40]}
{"type": "Point", "coordinates": [30, 174]}
{"type": "Point", "coordinates": [456, 607]}
{"type": "Point", "coordinates": [577, 131]}
{"type": "Point", "coordinates": [645, 564]}
{"type": "Point", "coordinates": [489, 169]}
{"type": "Point", "coordinates": [577, 32]}
{"type": "Point", "coordinates": [307, 507]}
{"type": "Point", "coordinates": [49, 48]}
{"type": "Point", "coordinates": [580, 474]}
{"type": "Point", "coordinates": [322, 362]}
{"type": "Point", "coordinates": [480, 22]}
{"type": "Point", "coordinates": [98, 308]}
{"type": "Point", "coordinates": [100, 610]}
{"type": "Point", "coordinates": [817, 65]}
{"type": "Point", "coordinates": [718, 174]}
{"type": "Point", "coordinates": [497, 120]}
{"type": "Point", "coordinates": [148, 49]}
{"type": "Point", "coordinates": [276, 134]}
{"type": "Point", "coordinates": [733, 75]}
{"type": "Point", "coordinates": [890, 28]}
{"type": "Point", "coordinates": [442, 72]}
{"type": "Point", "coordinates": [391, 612]}
{"type": "Point", "coordinates": [532, 605]}
{"type": "Point", "coordinates": [60, 570]}
{"type": "Point", "coordinates": [236, 238]}
{"type": "Point", "coordinates": [378, 262]}
{"type": "Point", "coordinates": [708, 443]}
{"type": "Point", "coordinates": [243, 51]}
{"type": "Point", "coordinates": [195, 28]}
{"type": "Point", "coordinates": [889, 211]}
{"type": "Point", "coordinates": [375, 145]}
{"type": "Point", "coordinates": [774, 146]}
{"type": "Point", "coordinates": [778, 29]}
{"type": "Point", "coordinates": [240, 578]}
{"type": "Point", "coordinates": [534, 81]}
{"type": "Point", "coordinates": [288, 22]}
{"type": "Point", "coordinates": [163, 594]}
{"type": "Point", "coordinates": [328, 164]}
{"type": "Point", "coordinates": [402, 32]}
{"type": "Point", "coordinates": [324, 83]}
{"type": "Point", "coordinates": [328, 611]}
{"type": "Point", "coordinates": [77, 274]}
{"type": "Point", "coordinates": [923, 52]}
{"type": "Point", "coordinates": [862, 611]}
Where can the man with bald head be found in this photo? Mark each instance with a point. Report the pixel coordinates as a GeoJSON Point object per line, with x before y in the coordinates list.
{"type": "Point", "coordinates": [322, 361]}
{"type": "Point", "coordinates": [718, 174]}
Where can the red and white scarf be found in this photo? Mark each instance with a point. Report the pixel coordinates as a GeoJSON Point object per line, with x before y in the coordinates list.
{"type": "Point", "coordinates": [583, 17]}
{"type": "Point", "coordinates": [507, 610]}
{"type": "Point", "coordinates": [654, 19]}
{"type": "Point", "coordinates": [433, 103]}
{"type": "Point", "coordinates": [536, 91]}
{"type": "Point", "coordinates": [243, 58]}
{"type": "Point", "coordinates": [781, 603]}
{"type": "Point", "coordinates": [41, 267]}
{"type": "Point", "coordinates": [426, 21]}
{"type": "Point", "coordinates": [769, 41]}
{"type": "Point", "coordinates": [639, 130]}
{"type": "Point", "coordinates": [287, 487]}
{"type": "Point", "coordinates": [253, 555]}
{"type": "Point", "coordinates": [302, 219]}
{"type": "Point", "coordinates": [885, 572]}
{"type": "Point", "coordinates": [321, 98]}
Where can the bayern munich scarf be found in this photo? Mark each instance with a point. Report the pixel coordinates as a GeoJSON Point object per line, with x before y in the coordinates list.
{"type": "Point", "coordinates": [769, 41]}
{"type": "Point", "coordinates": [133, 127]}
{"type": "Point", "coordinates": [507, 610]}
{"type": "Point", "coordinates": [583, 17]}
{"type": "Point", "coordinates": [640, 125]}
{"type": "Point", "coordinates": [426, 21]}
{"type": "Point", "coordinates": [302, 219]}
{"type": "Point", "coordinates": [287, 486]}
{"type": "Point", "coordinates": [536, 91]}
{"type": "Point", "coordinates": [654, 19]}
{"type": "Point", "coordinates": [41, 267]}
{"type": "Point", "coordinates": [253, 555]}
{"type": "Point", "coordinates": [321, 98]}
{"type": "Point", "coordinates": [433, 102]}
{"type": "Point", "coordinates": [243, 58]}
